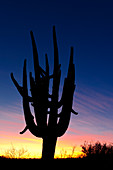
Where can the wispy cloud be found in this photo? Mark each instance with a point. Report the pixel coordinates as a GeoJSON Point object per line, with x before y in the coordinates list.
{"type": "Point", "coordinates": [93, 100]}
{"type": "Point", "coordinates": [93, 123]}
{"type": "Point", "coordinates": [95, 118]}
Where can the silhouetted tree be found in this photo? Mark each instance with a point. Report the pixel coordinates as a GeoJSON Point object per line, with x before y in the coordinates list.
{"type": "Point", "coordinates": [47, 104]}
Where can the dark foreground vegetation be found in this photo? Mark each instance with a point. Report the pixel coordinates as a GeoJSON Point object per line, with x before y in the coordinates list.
{"type": "Point", "coordinates": [99, 156]}
{"type": "Point", "coordinates": [90, 151]}
{"type": "Point", "coordinates": [98, 151]}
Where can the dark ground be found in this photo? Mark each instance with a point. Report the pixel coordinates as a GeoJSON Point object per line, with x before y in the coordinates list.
{"type": "Point", "coordinates": [75, 163]}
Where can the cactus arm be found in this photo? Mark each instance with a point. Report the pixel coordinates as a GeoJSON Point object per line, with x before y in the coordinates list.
{"type": "Point", "coordinates": [28, 116]}
{"type": "Point", "coordinates": [47, 69]}
{"type": "Point", "coordinates": [34, 91]}
{"type": "Point", "coordinates": [47, 65]}
{"type": "Point", "coordinates": [35, 58]}
{"type": "Point", "coordinates": [38, 70]}
{"type": "Point", "coordinates": [74, 112]}
{"type": "Point", "coordinates": [56, 60]}
{"type": "Point", "coordinates": [19, 88]}
{"type": "Point", "coordinates": [25, 129]}
{"type": "Point", "coordinates": [60, 103]}
{"type": "Point", "coordinates": [55, 89]}
{"type": "Point", "coordinates": [40, 101]}
{"type": "Point", "coordinates": [66, 112]}
{"type": "Point", "coordinates": [27, 113]}
{"type": "Point", "coordinates": [54, 102]}
{"type": "Point", "coordinates": [71, 69]}
{"type": "Point", "coordinates": [67, 97]}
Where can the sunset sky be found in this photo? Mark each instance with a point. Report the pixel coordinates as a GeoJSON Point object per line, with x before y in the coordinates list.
{"type": "Point", "coordinates": [87, 25]}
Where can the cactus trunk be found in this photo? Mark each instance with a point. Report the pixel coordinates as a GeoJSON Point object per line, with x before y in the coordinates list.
{"type": "Point", "coordinates": [48, 148]}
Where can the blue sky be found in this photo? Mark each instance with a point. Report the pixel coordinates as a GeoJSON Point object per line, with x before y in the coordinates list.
{"type": "Point", "coordinates": [87, 25]}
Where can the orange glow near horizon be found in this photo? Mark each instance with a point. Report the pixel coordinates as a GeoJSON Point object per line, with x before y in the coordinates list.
{"type": "Point", "coordinates": [33, 145]}
{"type": "Point", "coordinates": [9, 136]}
{"type": "Point", "coordinates": [34, 150]}
{"type": "Point", "coordinates": [85, 127]}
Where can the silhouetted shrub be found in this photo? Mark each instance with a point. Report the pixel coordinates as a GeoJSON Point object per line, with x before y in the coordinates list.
{"type": "Point", "coordinates": [98, 150]}
{"type": "Point", "coordinates": [16, 153]}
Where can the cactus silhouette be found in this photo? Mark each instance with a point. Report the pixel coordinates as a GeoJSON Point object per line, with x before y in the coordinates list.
{"type": "Point", "coordinates": [50, 127]}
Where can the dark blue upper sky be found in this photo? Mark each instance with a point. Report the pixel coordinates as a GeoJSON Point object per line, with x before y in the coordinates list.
{"type": "Point", "coordinates": [87, 25]}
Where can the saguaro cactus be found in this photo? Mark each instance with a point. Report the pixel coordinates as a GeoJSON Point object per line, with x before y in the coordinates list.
{"type": "Point", "coordinates": [49, 129]}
